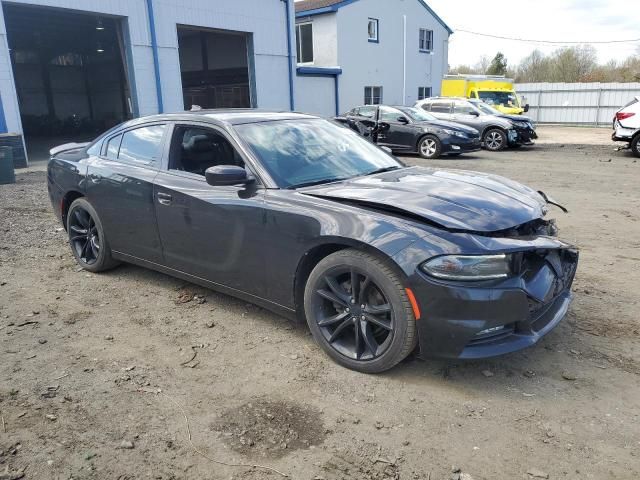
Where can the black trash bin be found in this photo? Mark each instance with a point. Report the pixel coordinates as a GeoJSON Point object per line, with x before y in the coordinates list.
{"type": "Point", "coordinates": [7, 174]}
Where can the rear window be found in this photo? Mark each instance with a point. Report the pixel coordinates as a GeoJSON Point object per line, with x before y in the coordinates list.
{"type": "Point", "coordinates": [142, 145]}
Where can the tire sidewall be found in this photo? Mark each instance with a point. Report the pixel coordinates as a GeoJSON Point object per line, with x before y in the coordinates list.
{"type": "Point", "coordinates": [635, 145]}
{"type": "Point", "coordinates": [502, 134]}
{"type": "Point", "coordinates": [395, 296]}
{"type": "Point", "coordinates": [438, 147]}
{"type": "Point", "coordinates": [104, 256]}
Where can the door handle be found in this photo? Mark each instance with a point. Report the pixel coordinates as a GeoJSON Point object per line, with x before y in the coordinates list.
{"type": "Point", "coordinates": [164, 198]}
{"type": "Point", "coordinates": [95, 178]}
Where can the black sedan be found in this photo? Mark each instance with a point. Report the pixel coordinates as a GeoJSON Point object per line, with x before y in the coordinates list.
{"type": "Point", "coordinates": [411, 130]}
{"type": "Point", "coordinates": [306, 218]}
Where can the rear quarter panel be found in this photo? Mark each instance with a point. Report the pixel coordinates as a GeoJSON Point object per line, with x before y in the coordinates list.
{"type": "Point", "coordinates": [64, 176]}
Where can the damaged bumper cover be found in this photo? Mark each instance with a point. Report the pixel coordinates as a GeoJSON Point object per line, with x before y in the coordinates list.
{"type": "Point", "coordinates": [482, 319]}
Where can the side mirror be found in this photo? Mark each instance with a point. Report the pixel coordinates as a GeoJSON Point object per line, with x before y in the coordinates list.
{"type": "Point", "coordinates": [403, 120]}
{"type": "Point", "coordinates": [526, 108]}
{"type": "Point", "coordinates": [221, 175]}
{"type": "Point", "coordinates": [474, 113]}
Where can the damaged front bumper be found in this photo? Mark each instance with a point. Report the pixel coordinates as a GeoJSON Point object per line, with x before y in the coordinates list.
{"type": "Point", "coordinates": [487, 318]}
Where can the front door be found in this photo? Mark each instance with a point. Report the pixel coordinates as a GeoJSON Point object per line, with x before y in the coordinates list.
{"type": "Point", "coordinates": [466, 114]}
{"type": "Point", "coordinates": [213, 233]}
{"type": "Point", "coordinates": [399, 135]}
{"type": "Point", "coordinates": [120, 179]}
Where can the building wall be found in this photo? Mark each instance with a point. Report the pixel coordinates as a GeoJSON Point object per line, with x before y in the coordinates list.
{"type": "Point", "coordinates": [316, 95]}
{"type": "Point", "coordinates": [325, 39]}
{"type": "Point", "coordinates": [576, 103]}
{"type": "Point", "coordinates": [264, 19]}
{"type": "Point", "coordinates": [381, 64]}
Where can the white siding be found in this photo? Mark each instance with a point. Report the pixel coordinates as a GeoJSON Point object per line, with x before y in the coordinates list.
{"type": "Point", "coordinates": [381, 64]}
{"type": "Point", "coordinates": [315, 95]}
{"type": "Point", "coordinates": [264, 19]}
{"type": "Point", "coordinates": [576, 103]}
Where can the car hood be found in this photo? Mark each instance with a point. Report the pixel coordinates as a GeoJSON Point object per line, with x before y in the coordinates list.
{"type": "Point", "coordinates": [457, 200]}
{"type": "Point", "coordinates": [516, 118]}
{"type": "Point", "coordinates": [445, 124]}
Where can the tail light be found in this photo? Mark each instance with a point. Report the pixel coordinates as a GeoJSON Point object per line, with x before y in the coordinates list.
{"type": "Point", "coordinates": [624, 115]}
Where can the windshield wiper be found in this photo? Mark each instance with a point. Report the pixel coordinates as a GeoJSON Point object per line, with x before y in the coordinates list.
{"type": "Point", "coordinates": [315, 182]}
{"type": "Point", "coordinates": [382, 170]}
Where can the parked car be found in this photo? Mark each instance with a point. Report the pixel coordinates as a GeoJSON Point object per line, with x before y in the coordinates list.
{"type": "Point", "coordinates": [497, 131]}
{"type": "Point", "coordinates": [411, 130]}
{"type": "Point", "coordinates": [626, 126]}
{"type": "Point", "coordinates": [308, 219]}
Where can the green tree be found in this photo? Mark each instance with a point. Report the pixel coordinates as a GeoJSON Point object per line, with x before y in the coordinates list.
{"type": "Point", "coordinates": [498, 65]}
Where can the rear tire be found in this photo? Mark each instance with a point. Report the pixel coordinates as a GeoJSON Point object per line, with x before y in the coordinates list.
{"type": "Point", "coordinates": [87, 239]}
{"type": "Point", "coordinates": [369, 329]}
{"type": "Point", "coordinates": [429, 147]}
{"type": "Point", "coordinates": [495, 140]}
{"type": "Point", "coordinates": [635, 145]}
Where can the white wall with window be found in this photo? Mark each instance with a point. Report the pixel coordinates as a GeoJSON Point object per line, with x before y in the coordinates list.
{"type": "Point", "coordinates": [425, 42]}
{"type": "Point", "coordinates": [372, 30]}
{"type": "Point", "coordinates": [304, 42]}
{"type": "Point", "coordinates": [424, 92]}
{"type": "Point", "coordinates": [373, 95]}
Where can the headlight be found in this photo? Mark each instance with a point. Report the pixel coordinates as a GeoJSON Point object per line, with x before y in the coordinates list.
{"type": "Point", "coordinates": [521, 124]}
{"type": "Point", "coordinates": [468, 267]}
{"type": "Point", "coordinates": [454, 133]}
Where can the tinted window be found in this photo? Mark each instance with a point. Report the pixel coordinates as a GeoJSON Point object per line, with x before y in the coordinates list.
{"type": "Point", "coordinates": [368, 112]}
{"type": "Point", "coordinates": [462, 108]}
{"type": "Point", "coordinates": [195, 149]}
{"type": "Point", "coordinates": [441, 107]}
{"type": "Point", "coordinates": [142, 144]}
{"type": "Point", "coordinates": [112, 147]}
{"type": "Point", "coordinates": [390, 114]}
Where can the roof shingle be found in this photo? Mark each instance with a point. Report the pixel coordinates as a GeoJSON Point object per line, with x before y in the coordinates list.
{"type": "Point", "coordinates": [305, 5]}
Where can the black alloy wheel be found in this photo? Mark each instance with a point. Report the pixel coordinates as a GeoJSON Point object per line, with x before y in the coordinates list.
{"type": "Point", "coordinates": [86, 237]}
{"type": "Point", "coordinates": [358, 311]}
{"type": "Point", "coordinates": [353, 314]}
{"type": "Point", "coordinates": [83, 236]}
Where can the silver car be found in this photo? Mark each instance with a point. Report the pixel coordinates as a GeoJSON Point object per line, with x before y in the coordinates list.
{"type": "Point", "coordinates": [497, 133]}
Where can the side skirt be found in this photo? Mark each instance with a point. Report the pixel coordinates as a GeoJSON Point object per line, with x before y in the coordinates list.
{"type": "Point", "coordinates": [286, 312]}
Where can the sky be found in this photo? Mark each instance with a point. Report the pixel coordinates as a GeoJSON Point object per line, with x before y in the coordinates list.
{"type": "Point", "coordinates": [554, 20]}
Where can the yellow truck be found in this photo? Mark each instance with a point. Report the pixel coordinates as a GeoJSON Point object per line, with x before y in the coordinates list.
{"type": "Point", "coordinates": [497, 91]}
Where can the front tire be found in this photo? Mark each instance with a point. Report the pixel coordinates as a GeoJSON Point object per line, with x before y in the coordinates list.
{"type": "Point", "coordinates": [359, 312]}
{"type": "Point", "coordinates": [635, 145]}
{"type": "Point", "coordinates": [495, 140]}
{"type": "Point", "coordinates": [87, 239]}
{"type": "Point", "coordinates": [430, 147]}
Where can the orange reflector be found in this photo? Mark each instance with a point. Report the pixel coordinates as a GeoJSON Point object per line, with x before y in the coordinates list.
{"type": "Point", "coordinates": [414, 303]}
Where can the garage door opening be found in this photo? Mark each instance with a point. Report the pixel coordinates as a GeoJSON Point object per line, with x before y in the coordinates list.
{"type": "Point", "coordinates": [215, 67]}
{"type": "Point", "coordinates": [70, 74]}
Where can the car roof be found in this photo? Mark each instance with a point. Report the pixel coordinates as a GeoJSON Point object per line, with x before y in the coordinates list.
{"type": "Point", "coordinates": [231, 116]}
{"type": "Point", "coordinates": [450, 98]}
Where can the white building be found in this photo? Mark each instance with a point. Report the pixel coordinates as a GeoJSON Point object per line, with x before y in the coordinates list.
{"type": "Point", "coordinates": [367, 51]}
{"type": "Point", "coordinates": [72, 68]}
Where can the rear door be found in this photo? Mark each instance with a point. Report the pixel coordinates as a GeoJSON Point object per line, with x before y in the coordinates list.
{"type": "Point", "coordinates": [120, 188]}
{"type": "Point", "coordinates": [442, 109]}
{"type": "Point", "coordinates": [215, 233]}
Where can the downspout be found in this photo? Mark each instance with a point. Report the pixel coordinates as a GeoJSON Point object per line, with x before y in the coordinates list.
{"type": "Point", "coordinates": [404, 60]}
{"type": "Point", "coordinates": [154, 49]}
{"type": "Point", "coordinates": [290, 54]}
{"type": "Point", "coordinates": [336, 82]}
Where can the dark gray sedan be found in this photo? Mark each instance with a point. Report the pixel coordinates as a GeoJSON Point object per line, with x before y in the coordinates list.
{"type": "Point", "coordinates": [310, 220]}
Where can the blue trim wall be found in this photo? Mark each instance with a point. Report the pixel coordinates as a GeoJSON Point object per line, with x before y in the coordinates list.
{"type": "Point", "coordinates": [156, 59]}
{"type": "Point", "coordinates": [290, 32]}
{"type": "Point", "coordinates": [324, 72]}
{"type": "Point", "coordinates": [3, 121]}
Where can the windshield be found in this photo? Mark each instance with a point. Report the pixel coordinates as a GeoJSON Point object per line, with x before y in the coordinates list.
{"type": "Point", "coordinates": [299, 153]}
{"type": "Point", "coordinates": [507, 99]}
{"type": "Point", "coordinates": [488, 109]}
{"type": "Point", "coordinates": [418, 115]}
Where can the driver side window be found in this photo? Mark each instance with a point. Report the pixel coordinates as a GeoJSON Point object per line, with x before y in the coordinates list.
{"type": "Point", "coordinates": [194, 149]}
{"type": "Point", "coordinates": [389, 114]}
{"type": "Point", "coordinates": [461, 108]}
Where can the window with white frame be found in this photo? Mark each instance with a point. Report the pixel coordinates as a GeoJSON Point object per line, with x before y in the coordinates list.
{"type": "Point", "coordinates": [424, 92]}
{"type": "Point", "coordinates": [304, 42]}
{"type": "Point", "coordinates": [373, 30]}
{"type": "Point", "coordinates": [426, 40]}
{"type": "Point", "coordinates": [372, 95]}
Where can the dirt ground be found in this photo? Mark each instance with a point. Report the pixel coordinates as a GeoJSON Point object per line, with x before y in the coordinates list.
{"type": "Point", "coordinates": [135, 375]}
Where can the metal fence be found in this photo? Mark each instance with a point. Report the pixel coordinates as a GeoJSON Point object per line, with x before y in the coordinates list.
{"type": "Point", "coordinates": [576, 103]}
